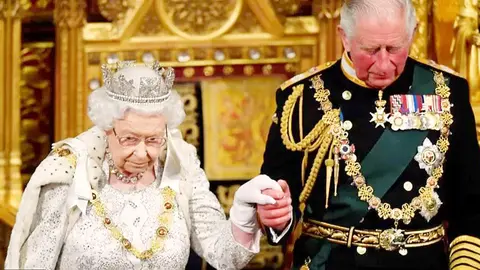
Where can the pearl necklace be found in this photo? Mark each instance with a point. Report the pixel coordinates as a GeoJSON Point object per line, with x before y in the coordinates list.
{"type": "Point", "coordinates": [121, 176]}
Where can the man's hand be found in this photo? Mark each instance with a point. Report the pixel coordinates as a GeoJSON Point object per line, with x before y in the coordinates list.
{"type": "Point", "coordinates": [278, 215]}
{"type": "Point", "coordinates": [243, 212]}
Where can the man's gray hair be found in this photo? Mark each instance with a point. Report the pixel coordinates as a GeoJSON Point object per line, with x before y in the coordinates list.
{"type": "Point", "coordinates": [353, 9]}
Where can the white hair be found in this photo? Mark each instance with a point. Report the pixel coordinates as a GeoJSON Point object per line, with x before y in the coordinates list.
{"type": "Point", "coordinates": [103, 111]}
{"type": "Point", "coordinates": [353, 9]}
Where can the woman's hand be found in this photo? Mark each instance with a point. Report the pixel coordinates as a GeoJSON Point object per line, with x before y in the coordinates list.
{"type": "Point", "coordinates": [248, 196]}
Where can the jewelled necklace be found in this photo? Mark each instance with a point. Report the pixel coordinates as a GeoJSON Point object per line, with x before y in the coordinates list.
{"type": "Point", "coordinates": [120, 176]}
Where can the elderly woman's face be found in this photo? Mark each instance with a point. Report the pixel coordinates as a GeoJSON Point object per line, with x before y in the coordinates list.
{"type": "Point", "coordinates": [379, 49]}
{"type": "Point", "coordinates": [137, 141]}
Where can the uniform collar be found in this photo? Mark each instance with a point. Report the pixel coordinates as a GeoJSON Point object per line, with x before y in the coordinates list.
{"type": "Point", "coordinates": [349, 71]}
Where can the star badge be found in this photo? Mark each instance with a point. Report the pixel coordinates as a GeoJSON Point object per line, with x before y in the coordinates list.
{"type": "Point", "coordinates": [429, 156]}
{"type": "Point", "coordinates": [379, 117]}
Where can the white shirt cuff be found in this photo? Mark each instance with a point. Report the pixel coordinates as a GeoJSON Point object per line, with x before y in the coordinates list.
{"type": "Point", "coordinates": [276, 238]}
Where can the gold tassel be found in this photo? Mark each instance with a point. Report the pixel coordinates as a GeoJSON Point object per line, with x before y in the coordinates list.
{"type": "Point", "coordinates": [329, 163]}
{"type": "Point", "coordinates": [336, 172]}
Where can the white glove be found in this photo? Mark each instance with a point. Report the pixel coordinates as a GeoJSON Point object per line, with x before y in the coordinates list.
{"type": "Point", "coordinates": [243, 211]}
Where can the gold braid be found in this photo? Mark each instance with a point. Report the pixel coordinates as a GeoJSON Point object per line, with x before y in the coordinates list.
{"type": "Point", "coordinates": [319, 138]}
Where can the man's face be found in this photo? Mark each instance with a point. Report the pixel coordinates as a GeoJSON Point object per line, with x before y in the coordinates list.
{"type": "Point", "coordinates": [379, 49]}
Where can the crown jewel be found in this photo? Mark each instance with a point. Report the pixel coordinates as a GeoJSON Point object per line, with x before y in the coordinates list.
{"type": "Point", "coordinates": [138, 83]}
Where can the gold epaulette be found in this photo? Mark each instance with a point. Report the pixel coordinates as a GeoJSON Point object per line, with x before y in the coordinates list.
{"type": "Point", "coordinates": [63, 151]}
{"type": "Point", "coordinates": [305, 74]}
{"type": "Point", "coordinates": [465, 253]}
{"type": "Point", "coordinates": [434, 64]}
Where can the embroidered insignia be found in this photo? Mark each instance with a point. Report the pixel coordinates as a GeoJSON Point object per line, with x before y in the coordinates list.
{"type": "Point", "coordinates": [305, 74]}
{"type": "Point", "coordinates": [441, 67]}
{"type": "Point", "coordinates": [66, 153]}
{"type": "Point", "coordinates": [429, 156]}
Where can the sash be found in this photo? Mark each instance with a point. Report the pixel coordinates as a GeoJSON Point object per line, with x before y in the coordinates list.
{"type": "Point", "coordinates": [381, 169]}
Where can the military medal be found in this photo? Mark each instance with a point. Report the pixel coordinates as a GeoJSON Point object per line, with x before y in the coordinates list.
{"type": "Point", "coordinates": [398, 121]}
{"type": "Point", "coordinates": [416, 112]}
{"type": "Point", "coordinates": [379, 117]}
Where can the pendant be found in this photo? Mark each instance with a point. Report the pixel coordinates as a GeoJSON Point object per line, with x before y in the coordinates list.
{"type": "Point", "coordinates": [392, 239]}
{"type": "Point", "coordinates": [430, 204]}
{"type": "Point", "coordinates": [379, 117]}
{"type": "Point", "coordinates": [429, 156]}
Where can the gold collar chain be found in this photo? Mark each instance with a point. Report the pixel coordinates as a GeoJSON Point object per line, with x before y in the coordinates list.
{"type": "Point", "coordinates": [165, 220]}
{"type": "Point", "coordinates": [331, 140]}
{"type": "Point", "coordinates": [427, 201]}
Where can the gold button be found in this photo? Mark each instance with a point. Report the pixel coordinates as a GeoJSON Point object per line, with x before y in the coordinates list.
{"type": "Point", "coordinates": [347, 125]}
{"type": "Point", "coordinates": [361, 250]}
{"type": "Point", "coordinates": [347, 95]}
{"type": "Point", "coordinates": [408, 186]}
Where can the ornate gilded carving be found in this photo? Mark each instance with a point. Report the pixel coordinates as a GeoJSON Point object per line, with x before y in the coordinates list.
{"type": "Point", "coordinates": [286, 7]}
{"type": "Point", "coordinates": [420, 44]}
{"type": "Point", "coordinates": [247, 23]}
{"type": "Point", "coordinates": [327, 12]}
{"type": "Point", "coordinates": [94, 58]}
{"type": "Point", "coordinates": [41, 4]}
{"type": "Point", "coordinates": [69, 17]}
{"type": "Point", "coordinates": [444, 14]}
{"type": "Point", "coordinates": [466, 46]}
{"type": "Point", "coordinates": [151, 25]}
{"type": "Point", "coordinates": [70, 13]}
{"type": "Point", "coordinates": [189, 128]}
{"type": "Point", "coordinates": [13, 8]}
{"type": "Point", "coordinates": [36, 103]}
{"type": "Point", "coordinates": [114, 10]}
{"type": "Point", "coordinates": [327, 9]}
{"type": "Point", "coordinates": [199, 19]}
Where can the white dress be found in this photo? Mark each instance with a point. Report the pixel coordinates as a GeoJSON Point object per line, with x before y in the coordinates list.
{"type": "Point", "coordinates": [90, 245]}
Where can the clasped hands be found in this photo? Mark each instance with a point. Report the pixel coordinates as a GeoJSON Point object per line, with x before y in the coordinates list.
{"type": "Point", "coordinates": [269, 198]}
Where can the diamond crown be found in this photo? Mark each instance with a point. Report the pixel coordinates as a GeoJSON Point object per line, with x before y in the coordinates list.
{"type": "Point", "coordinates": [133, 82]}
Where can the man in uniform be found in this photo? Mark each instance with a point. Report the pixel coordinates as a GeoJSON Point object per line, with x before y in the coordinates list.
{"type": "Point", "coordinates": [380, 153]}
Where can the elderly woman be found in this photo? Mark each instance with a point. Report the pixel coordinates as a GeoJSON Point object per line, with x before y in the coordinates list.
{"type": "Point", "coordinates": [129, 193]}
